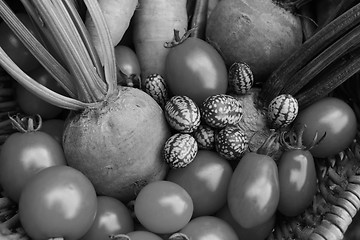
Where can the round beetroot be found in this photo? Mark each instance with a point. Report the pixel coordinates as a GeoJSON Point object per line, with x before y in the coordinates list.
{"type": "Point", "coordinates": [118, 145]}
{"type": "Point", "coordinates": [257, 32]}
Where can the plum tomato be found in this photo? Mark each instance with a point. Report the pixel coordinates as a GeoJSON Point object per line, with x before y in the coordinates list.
{"type": "Point", "coordinates": [163, 207]}
{"type": "Point", "coordinates": [209, 227]}
{"type": "Point", "coordinates": [59, 201]}
{"type": "Point", "coordinates": [254, 192]}
{"type": "Point", "coordinates": [25, 154]}
{"type": "Point", "coordinates": [298, 181]}
{"type": "Point", "coordinates": [112, 217]}
{"type": "Point", "coordinates": [207, 177]}
{"type": "Point", "coordinates": [332, 116]}
{"type": "Point", "coordinates": [195, 69]}
{"type": "Point", "coordinates": [13, 46]}
{"type": "Point", "coordinates": [31, 104]}
{"type": "Point", "coordinates": [259, 232]}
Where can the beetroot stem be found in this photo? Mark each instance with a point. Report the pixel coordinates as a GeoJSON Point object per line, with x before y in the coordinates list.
{"type": "Point", "coordinates": [60, 24]}
{"type": "Point", "coordinates": [330, 78]}
{"type": "Point", "coordinates": [106, 44]}
{"type": "Point", "coordinates": [37, 49]}
{"type": "Point", "coordinates": [309, 50]}
{"type": "Point", "coordinates": [319, 63]}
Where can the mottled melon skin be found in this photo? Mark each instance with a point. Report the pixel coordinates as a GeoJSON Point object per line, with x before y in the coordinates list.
{"type": "Point", "coordinates": [257, 32]}
{"type": "Point", "coordinates": [118, 145]}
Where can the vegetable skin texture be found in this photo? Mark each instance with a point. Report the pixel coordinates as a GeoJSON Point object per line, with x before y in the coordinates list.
{"type": "Point", "coordinates": [119, 155]}
{"type": "Point", "coordinates": [118, 14]}
{"type": "Point", "coordinates": [154, 24]}
{"type": "Point", "coordinates": [257, 32]}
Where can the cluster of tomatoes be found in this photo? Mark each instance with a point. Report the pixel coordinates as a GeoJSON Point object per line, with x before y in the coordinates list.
{"type": "Point", "coordinates": [209, 197]}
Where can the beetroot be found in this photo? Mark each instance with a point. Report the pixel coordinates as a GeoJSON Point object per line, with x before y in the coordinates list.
{"type": "Point", "coordinates": [118, 145]}
{"type": "Point", "coordinates": [258, 32]}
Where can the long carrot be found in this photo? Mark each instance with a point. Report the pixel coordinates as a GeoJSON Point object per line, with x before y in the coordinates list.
{"type": "Point", "coordinates": [154, 24]}
{"type": "Point", "coordinates": [118, 14]}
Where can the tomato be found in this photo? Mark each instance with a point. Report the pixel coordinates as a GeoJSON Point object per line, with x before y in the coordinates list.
{"type": "Point", "coordinates": [112, 217]}
{"type": "Point", "coordinates": [163, 207]}
{"type": "Point", "coordinates": [142, 235]}
{"type": "Point", "coordinates": [59, 201]}
{"type": "Point", "coordinates": [259, 232]}
{"type": "Point", "coordinates": [298, 181]}
{"type": "Point", "coordinates": [195, 69]}
{"type": "Point", "coordinates": [25, 154]}
{"type": "Point", "coordinates": [31, 104]}
{"type": "Point", "coordinates": [54, 127]}
{"type": "Point", "coordinates": [128, 66]}
{"type": "Point", "coordinates": [331, 116]}
{"type": "Point", "coordinates": [254, 192]}
{"type": "Point", "coordinates": [15, 48]}
{"type": "Point", "coordinates": [209, 227]}
{"type": "Point", "coordinates": [207, 177]}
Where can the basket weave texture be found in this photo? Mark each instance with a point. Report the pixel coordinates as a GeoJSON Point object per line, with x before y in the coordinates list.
{"type": "Point", "coordinates": [332, 215]}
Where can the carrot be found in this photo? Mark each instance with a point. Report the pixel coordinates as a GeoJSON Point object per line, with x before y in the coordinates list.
{"type": "Point", "coordinates": [118, 14]}
{"type": "Point", "coordinates": [154, 24]}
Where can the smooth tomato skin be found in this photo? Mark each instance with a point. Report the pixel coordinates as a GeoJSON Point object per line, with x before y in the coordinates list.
{"type": "Point", "coordinates": [59, 201]}
{"type": "Point", "coordinates": [163, 207]}
{"type": "Point", "coordinates": [25, 154]}
{"type": "Point", "coordinates": [195, 69]}
{"type": "Point", "coordinates": [142, 235]}
{"type": "Point", "coordinates": [54, 127]}
{"type": "Point", "coordinates": [31, 104]}
{"type": "Point", "coordinates": [333, 116]}
{"type": "Point", "coordinates": [254, 192]}
{"type": "Point", "coordinates": [14, 48]}
{"type": "Point", "coordinates": [259, 232]}
{"type": "Point", "coordinates": [112, 217]}
{"type": "Point", "coordinates": [209, 227]}
{"type": "Point", "coordinates": [127, 60]}
{"type": "Point", "coordinates": [298, 181]}
{"type": "Point", "coordinates": [207, 177]}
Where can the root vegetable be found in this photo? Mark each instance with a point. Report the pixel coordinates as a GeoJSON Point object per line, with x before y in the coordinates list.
{"type": "Point", "coordinates": [118, 14]}
{"type": "Point", "coordinates": [154, 24]}
{"type": "Point", "coordinates": [118, 145]}
{"type": "Point", "coordinates": [260, 33]}
{"type": "Point", "coordinates": [114, 135]}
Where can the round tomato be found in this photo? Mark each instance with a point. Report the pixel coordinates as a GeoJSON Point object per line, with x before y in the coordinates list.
{"type": "Point", "coordinates": [112, 217]}
{"type": "Point", "coordinates": [25, 154]}
{"type": "Point", "coordinates": [331, 116]}
{"type": "Point", "coordinates": [163, 207]}
{"type": "Point", "coordinates": [31, 104]}
{"type": "Point", "coordinates": [259, 232]}
{"type": "Point", "coordinates": [14, 48]}
{"type": "Point", "coordinates": [59, 201]}
{"type": "Point", "coordinates": [297, 180]}
{"type": "Point", "coordinates": [195, 69]}
{"type": "Point", "coordinates": [207, 177]}
{"type": "Point", "coordinates": [54, 127]}
{"type": "Point", "coordinates": [209, 227]}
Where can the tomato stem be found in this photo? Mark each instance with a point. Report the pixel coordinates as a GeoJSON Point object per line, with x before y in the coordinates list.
{"type": "Point", "coordinates": [27, 123]}
{"type": "Point", "coordinates": [120, 237]}
{"type": "Point", "coordinates": [178, 236]}
{"type": "Point", "coordinates": [177, 39]}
